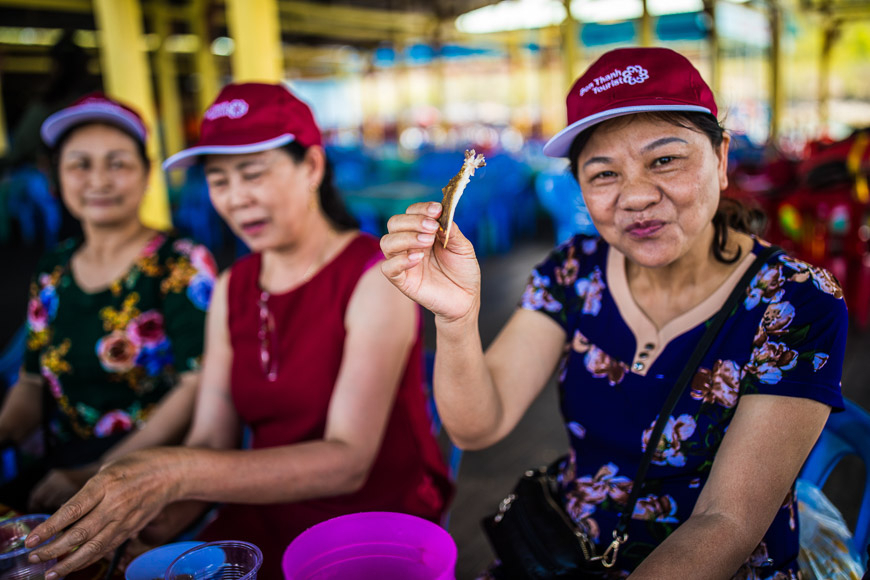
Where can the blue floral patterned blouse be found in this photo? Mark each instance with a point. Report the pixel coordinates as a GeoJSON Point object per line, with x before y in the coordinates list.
{"type": "Point", "coordinates": [786, 338]}
{"type": "Point", "coordinates": [109, 356]}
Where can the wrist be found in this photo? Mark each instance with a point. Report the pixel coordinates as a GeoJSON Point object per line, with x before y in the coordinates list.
{"type": "Point", "coordinates": [458, 328]}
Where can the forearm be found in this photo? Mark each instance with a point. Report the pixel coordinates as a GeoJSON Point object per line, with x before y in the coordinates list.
{"type": "Point", "coordinates": [22, 410]}
{"type": "Point", "coordinates": [276, 475]}
{"type": "Point", "coordinates": [468, 401]}
{"type": "Point", "coordinates": [167, 425]}
{"type": "Point", "coordinates": [705, 547]}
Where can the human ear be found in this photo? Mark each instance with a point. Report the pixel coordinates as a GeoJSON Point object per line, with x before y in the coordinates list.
{"type": "Point", "coordinates": [722, 156]}
{"type": "Point", "coordinates": [315, 165]}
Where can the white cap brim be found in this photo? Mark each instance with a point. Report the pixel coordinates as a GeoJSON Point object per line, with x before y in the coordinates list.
{"type": "Point", "coordinates": [58, 123]}
{"type": "Point", "coordinates": [188, 157]}
{"type": "Point", "coordinates": [560, 144]}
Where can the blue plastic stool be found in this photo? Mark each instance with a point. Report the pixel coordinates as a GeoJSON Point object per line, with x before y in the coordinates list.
{"type": "Point", "coordinates": [846, 433]}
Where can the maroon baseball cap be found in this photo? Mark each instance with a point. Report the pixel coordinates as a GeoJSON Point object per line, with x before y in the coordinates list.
{"type": "Point", "coordinates": [94, 107]}
{"type": "Point", "coordinates": [248, 118]}
{"type": "Point", "coordinates": [626, 81]}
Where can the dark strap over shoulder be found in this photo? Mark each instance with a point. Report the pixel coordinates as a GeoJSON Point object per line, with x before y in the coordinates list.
{"type": "Point", "coordinates": [685, 377]}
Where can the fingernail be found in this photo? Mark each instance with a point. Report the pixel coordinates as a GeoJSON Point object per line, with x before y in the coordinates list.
{"type": "Point", "coordinates": [425, 238]}
{"type": "Point", "coordinates": [434, 208]}
{"type": "Point", "coordinates": [50, 575]}
{"type": "Point", "coordinates": [415, 256]}
{"type": "Point", "coordinates": [32, 541]}
{"type": "Point", "coordinates": [430, 225]}
{"type": "Point", "coordinates": [33, 559]}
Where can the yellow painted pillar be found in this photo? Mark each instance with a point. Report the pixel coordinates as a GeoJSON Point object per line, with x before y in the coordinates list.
{"type": "Point", "coordinates": [569, 47]}
{"type": "Point", "coordinates": [127, 76]}
{"type": "Point", "coordinates": [516, 78]}
{"type": "Point", "coordinates": [775, 69]}
{"type": "Point", "coordinates": [713, 44]}
{"type": "Point", "coordinates": [206, 70]}
{"type": "Point", "coordinates": [167, 87]}
{"type": "Point", "coordinates": [830, 32]}
{"type": "Point", "coordinates": [4, 141]}
{"type": "Point", "coordinates": [552, 90]}
{"type": "Point", "coordinates": [254, 25]}
{"type": "Point", "coordinates": [646, 34]}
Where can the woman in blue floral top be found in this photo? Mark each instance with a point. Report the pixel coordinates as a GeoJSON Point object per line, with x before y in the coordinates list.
{"type": "Point", "coordinates": [115, 320]}
{"type": "Point", "coordinates": [617, 316]}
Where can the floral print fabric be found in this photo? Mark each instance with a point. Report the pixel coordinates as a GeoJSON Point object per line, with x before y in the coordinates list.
{"type": "Point", "coordinates": [108, 357]}
{"type": "Point", "coordinates": [786, 338]}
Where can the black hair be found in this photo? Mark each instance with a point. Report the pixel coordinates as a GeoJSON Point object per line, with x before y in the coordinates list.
{"type": "Point", "coordinates": [330, 199]}
{"type": "Point", "coordinates": [731, 213]}
{"type": "Point", "coordinates": [64, 137]}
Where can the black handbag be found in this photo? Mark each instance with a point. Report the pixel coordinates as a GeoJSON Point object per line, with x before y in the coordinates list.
{"type": "Point", "coordinates": [533, 536]}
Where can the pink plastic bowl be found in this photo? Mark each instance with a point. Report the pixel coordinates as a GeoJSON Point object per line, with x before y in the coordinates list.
{"type": "Point", "coordinates": [372, 546]}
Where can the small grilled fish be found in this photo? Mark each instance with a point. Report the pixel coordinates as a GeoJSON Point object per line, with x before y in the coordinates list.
{"type": "Point", "coordinates": [454, 188]}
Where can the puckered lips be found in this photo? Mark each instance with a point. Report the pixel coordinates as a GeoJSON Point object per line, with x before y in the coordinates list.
{"type": "Point", "coordinates": [645, 228]}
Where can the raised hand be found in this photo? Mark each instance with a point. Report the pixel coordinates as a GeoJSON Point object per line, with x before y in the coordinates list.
{"type": "Point", "coordinates": [444, 280]}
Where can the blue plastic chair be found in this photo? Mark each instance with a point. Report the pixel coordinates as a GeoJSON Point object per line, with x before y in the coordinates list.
{"type": "Point", "coordinates": [195, 216]}
{"type": "Point", "coordinates": [27, 199]}
{"type": "Point", "coordinates": [559, 194]}
{"type": "Point", "coordinates": [10, 362]}
{"type": "Point", "coordinates": [846, 433]}
{"type": "Point", "coordinates": [12, 356]}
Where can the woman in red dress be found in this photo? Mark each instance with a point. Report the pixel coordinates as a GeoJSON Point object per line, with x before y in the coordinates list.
{"type": "Point", "coordinates": [306, 343]}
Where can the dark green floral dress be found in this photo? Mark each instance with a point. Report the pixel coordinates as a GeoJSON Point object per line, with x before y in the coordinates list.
{"type": "Point", "coordinates": [108, 357]}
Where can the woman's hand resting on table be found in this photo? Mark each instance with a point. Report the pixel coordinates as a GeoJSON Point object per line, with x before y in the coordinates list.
{"type": "Point", "coordinates": [113, 506]}
{"type": "Point", "coordinates": [445, 281]}
{"type": "Point", "coordinates": [56, 487]}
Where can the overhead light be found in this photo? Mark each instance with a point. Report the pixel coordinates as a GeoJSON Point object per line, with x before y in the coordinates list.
{"type": "Point", "coordinates": [223, 46]}
{"type": "Point", "coordinates": [512, 15]}
{"type": "Point", "coordinates": [181, 43]}
{"type": "Point", "coordinates": [526, 14]}
{"type": "Point", "coordinates": [615, 10]}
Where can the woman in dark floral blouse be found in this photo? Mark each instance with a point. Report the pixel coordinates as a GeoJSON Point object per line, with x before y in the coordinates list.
{"type": "Point", "coordinates": [616, 317]}
{"type": "Point", "coordinates": [115, 319]}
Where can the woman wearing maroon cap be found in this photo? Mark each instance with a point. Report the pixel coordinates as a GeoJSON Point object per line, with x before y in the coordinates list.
{"type": "Point", "coordinates": [115, 320]}
{"type": "Point", "coordinates": [307, 344]}
{"type": "Point", "coordinates": [617, 316]}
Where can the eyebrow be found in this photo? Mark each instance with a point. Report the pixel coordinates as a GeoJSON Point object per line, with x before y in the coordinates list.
{"type": "Point", "coordinates": [646, 149]}
{"type": "Point", "coordinates": [87, 153]}
{"type": "Point", "coordinates": [661, 142]}
{"type": "Point", "coordinates": [238, 167]}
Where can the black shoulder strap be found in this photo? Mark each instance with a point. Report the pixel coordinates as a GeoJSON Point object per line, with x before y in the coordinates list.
{"type": "Point", "coordinates": [685, 377]}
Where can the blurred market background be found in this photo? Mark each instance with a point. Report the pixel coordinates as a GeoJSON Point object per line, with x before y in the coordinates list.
{"type": "Point", "coordinates": [403, 87]}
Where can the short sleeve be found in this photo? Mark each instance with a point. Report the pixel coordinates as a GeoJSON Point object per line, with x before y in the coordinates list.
{"type": "Point", "coordinates": [567, 281]}
{"type": "Point", "coordinates": [36, 329]}
{"type": "Point", "coordinates": [42, 304]}
{"type": "Point", "coordinates": [187, 288]}
{"type": "Point", "coordinates": [800, 343]}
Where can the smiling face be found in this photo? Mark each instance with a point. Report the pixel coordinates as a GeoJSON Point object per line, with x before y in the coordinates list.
{"type": "Point", "coordinates": [267, 198]}
{"type": "Point", "coordinates": [102, 176]}
{"type": "Point", "coordinates": [652, 188]}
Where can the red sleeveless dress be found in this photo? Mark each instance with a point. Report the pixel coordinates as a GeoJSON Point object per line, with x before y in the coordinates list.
{"type": "Point", "coordinates": [409, 474]}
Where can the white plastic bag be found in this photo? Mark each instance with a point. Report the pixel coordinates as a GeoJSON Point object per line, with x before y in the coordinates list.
{"type": "Point", "coordinates": [826, 552]}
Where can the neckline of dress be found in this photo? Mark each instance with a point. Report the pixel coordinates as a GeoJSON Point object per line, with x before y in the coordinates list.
{"type": "Point", "coordinates": [152, 246]}
{"type": "Point", "coordinates": [327, 265]}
